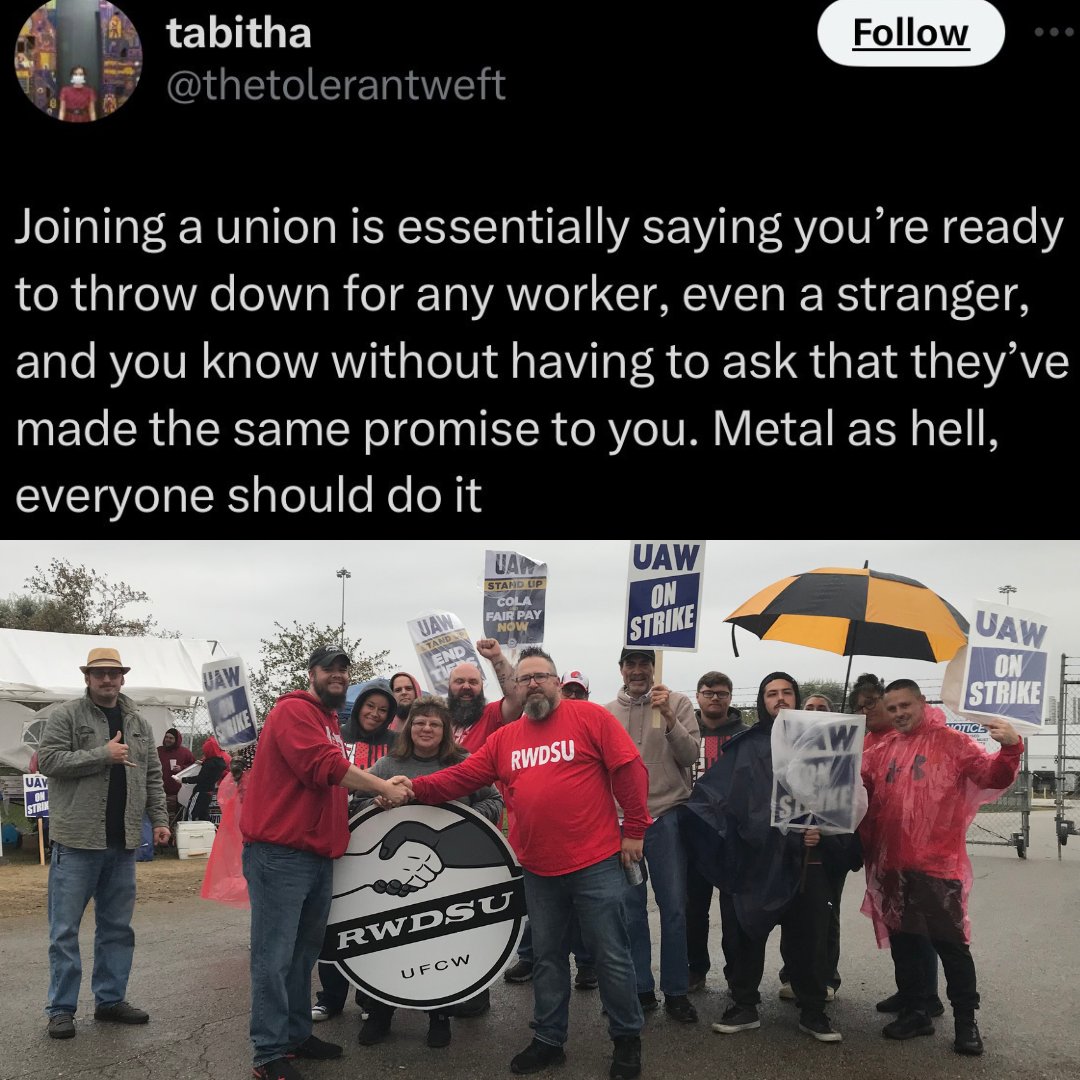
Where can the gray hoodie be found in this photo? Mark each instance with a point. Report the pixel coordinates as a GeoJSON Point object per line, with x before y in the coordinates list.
{"type": "Point", "coordinates": [668, 755]}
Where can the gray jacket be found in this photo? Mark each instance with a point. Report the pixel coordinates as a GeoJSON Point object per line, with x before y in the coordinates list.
{"type": "Point", "coordinates": [74, 756]}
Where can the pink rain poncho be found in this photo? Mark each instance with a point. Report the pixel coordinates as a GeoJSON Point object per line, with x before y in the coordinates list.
{"type": "Point", "coordinates": [925, 788]}
{"type": "Point", "coordinates": [224, 879]}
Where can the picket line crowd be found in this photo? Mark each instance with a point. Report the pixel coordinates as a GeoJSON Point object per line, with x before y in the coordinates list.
{"type": "Point", "coordinates": [645, 783]}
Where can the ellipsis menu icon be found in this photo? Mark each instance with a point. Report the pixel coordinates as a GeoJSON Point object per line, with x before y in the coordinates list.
{"type": "Point", "coordinates": [911, 33]}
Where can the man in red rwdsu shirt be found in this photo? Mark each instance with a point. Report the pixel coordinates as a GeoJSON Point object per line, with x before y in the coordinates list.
{"type": "Point", "coordinates": [562, 768]}
{"type": "Point", "coordinates": [295, 822]}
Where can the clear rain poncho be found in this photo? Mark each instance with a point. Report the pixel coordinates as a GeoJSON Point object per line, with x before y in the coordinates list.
{"type": "Point", "coordinates": [925, 789]}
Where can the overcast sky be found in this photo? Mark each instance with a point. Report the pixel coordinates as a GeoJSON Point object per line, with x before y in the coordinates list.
{"type": "Point", "coordinates": [234, 591]}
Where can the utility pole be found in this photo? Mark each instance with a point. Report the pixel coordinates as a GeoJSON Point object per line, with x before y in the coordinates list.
{"type": "Point", "coordinates": [344, 575]}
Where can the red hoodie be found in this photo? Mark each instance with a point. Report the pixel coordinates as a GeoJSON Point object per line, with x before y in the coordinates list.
{"type": "Point", "coordinates": [292, 796]}
{"type": "Point", "coordinates": [172, 761]}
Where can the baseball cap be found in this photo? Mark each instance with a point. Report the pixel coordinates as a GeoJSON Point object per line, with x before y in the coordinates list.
{"type": "Point", "coordinates": [649, 654]}
{"type": "Point", "coordinates": [325, 655]}
{"type": "Point", "coordinates": [569, 677]}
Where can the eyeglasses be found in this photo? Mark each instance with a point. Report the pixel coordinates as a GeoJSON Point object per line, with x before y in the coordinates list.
{"type": "Point", "coordinates": [867, 704]}
{"type": "Point", "coordinates": [542, 678]}
{"type": "Point", "coordinates": [427, 723]}
{"type": "Point", "coordinates": [105, 673]}
{"type": "Point", "coordinates": [714, 695]}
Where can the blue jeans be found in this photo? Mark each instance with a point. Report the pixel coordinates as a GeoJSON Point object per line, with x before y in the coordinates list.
{"type": "Point", "coordinates": [595, 895]}
{"type": "Point", "coordinates": [665, 857]}
{"type": "Point", "coordinates": [581, 954]}
{"type": "Point", "coordinates": [290, 893]}
{"type": "Point", "coordinates": [76, 875]}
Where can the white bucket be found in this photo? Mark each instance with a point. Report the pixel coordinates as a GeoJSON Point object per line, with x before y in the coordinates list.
{"type": "Point", "coordinates": [194, 839]}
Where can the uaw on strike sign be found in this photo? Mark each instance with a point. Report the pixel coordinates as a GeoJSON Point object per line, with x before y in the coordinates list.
{"type": "Point", "coordinates": [429, 904]}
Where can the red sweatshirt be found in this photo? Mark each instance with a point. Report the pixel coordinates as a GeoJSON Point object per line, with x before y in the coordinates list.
{"type": "Point", "coordinates": [292, 796]}
{"type": "Point", "coordinates": [561, 777]}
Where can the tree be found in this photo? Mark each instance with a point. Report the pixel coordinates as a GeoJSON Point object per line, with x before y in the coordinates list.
{"type": "Point", "coordinates": [830, 688]}
{"type": "Point", "coordinates": [283, 661]}
{"type": "Point", "coordinates": [67, 599]}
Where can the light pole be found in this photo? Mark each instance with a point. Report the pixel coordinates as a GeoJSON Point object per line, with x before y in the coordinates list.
{"type": "Point", "coordinates": [344, 575]}
{"type": "Point", "coordinates": [1008, 590]}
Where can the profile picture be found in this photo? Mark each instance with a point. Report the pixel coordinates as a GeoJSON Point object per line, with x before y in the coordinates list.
{"type": "Point", "coordinates": [78, 60]}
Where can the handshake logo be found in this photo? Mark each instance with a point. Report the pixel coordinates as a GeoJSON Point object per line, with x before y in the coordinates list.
{"type": "Point", "coordinates": [428, 905]}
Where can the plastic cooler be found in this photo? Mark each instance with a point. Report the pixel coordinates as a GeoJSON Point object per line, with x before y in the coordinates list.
{"type": "Point", "coordinates": [194, 839]}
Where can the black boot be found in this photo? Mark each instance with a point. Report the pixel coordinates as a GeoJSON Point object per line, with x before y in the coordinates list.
{"type": "Point", "coordinates": [626, 1058]}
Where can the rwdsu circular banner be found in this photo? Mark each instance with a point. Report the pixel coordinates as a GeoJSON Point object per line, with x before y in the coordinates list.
{"type": "Point", "coordinates": [429, 904]}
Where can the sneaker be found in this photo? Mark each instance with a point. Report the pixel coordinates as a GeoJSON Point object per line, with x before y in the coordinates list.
{"type": "Point", "coordinates": [649, 1001]}
{"type": "Point", "coordinates": [786, 993]}
{"type": "Point", "coordinates": [475, 1006]}
{"type": "Point", "coordinates": [817, 1024]}
{"type": "Point", "coordinates": [316, 1049]}
{"type": "Point", "coordinates": [521, 972]}
{"type": "Point", "coordinates": [586, 977]}
{"type": "Point", "coordinates": [678, 1007]}
{"type": "Point", "coordinates": [319, 1013]}
{"type": "Point", "coordinates": [278, 1069]}
{"type": "Point", "coordinates": [738, 1018]}
{"type": "Point", "coordinates": [968, 1040]}
{"type": "Point", "coordinates": [121, 1013]}
{"type": "Point", "coordinates": [696, 982]}
{"type": "Point", "coordinates": [908, 1025]}
{"type": "Point", "coordinates": [626, 1058]}
{"type": "Point", "coordinates": [376, 1027]}
{"type": "Point", "coordinates": [895, 1004]}
{"type": "Point", "coordinates": [438, 1032]}
{"type": "Point", "coordinates": [536, 1056]}
{"type": "Point", "coordinates": [62, 1026]}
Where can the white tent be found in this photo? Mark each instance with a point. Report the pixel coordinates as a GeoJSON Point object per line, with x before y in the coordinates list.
{"type": "Point", "coordinates": [39, 668]}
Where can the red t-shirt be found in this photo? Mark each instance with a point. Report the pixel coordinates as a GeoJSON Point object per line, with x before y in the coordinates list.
{"type": "Point", "coordinates": [292, 796]}
{"type": "Point", "coordinates": [561, 776]}
{"type": "Point", "coordinates": [474, 736]}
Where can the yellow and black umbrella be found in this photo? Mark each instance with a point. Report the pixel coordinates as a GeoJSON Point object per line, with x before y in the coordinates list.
{"type": "Point", "coordinates": [855, 613]}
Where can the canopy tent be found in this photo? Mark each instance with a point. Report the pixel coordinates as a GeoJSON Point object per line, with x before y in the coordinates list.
{"type": "Point", "coordinates": [39, 668]}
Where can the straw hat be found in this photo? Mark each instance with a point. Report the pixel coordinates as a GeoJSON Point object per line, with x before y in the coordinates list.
{"type": "Point", "coordinates": [104, 658]}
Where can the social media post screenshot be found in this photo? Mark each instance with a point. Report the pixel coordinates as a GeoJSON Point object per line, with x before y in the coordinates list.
{"type": "Point", "coordinates": [286, 270]}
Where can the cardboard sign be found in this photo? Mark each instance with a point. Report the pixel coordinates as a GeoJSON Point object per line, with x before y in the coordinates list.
{"type": "Point", "coordinates": [1006, 667]}
{"type": "Point", "coordinates": [663, 594]}
{"type": "Point", "coordinates": [515, 598]}
{"type": "Point", "coordinates": [817, 766]}
{"type": "Point", "coordinates": [441, 643]}
{"type": "Point", "coordinates": [228, 703]}
{"type": "Point", "coordinates": [36, 795]}
{"type": "Point", "coordinates": [429, 904]}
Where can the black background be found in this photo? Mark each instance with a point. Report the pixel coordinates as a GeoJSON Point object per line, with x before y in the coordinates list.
{"type": "Point", "coordinates": [660, 112]}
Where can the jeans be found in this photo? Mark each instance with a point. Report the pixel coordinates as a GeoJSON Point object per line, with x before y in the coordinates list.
{"type": "Point", "coordinates": [76, 875]}
{"type": "Point", "coordinates": [290, 893]}
{"type": "Point", "coordinates": [665, 857]}
{"type": "Point", "coordinates": [595, 894]}
{"type": "Point", "coordinates": [577, 947]}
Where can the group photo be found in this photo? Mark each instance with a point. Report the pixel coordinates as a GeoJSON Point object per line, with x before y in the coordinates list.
{"type": "Point", "coordinates": [575, 808]}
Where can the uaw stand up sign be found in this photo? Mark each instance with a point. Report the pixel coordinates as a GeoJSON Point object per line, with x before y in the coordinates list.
{"type": "Point", "coordinates": [428, 906]}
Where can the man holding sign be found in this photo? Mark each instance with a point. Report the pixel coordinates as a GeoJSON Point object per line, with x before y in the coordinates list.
{"type": "Point", "coordinates": [925, 786]}
{"type": "Point", "coordinates": [104, 775]}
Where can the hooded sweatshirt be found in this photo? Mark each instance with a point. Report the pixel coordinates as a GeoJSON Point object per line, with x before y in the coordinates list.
{"type": "Point", "coordinates": [668, 755]}
{"type": "Point", "coordinates": [416, 690]}
{"type": "Point", "coordinates": [366, 747]}
{"type": "Point", "coordinates": [173, 761]}
{"type": "Point", "coordinates": [293, 794]}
